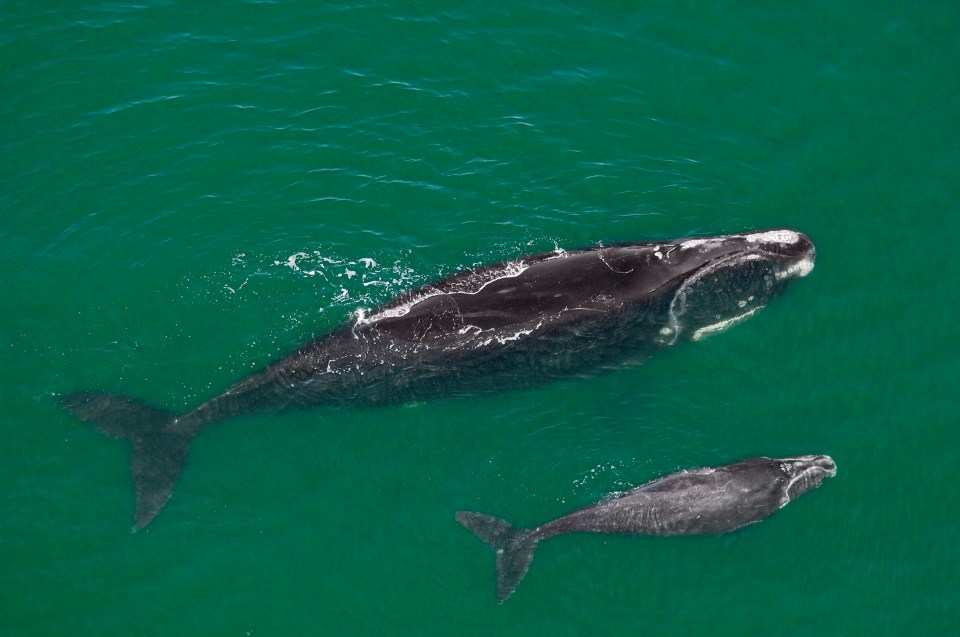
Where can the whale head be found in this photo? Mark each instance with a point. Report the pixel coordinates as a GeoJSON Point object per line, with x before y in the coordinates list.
{"type": "Point", "coordinates": [722, 280]}
{"type": "Point", "coordinates": [804, 473]}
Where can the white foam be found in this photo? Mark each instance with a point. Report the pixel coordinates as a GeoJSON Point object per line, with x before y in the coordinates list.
{"type": "Point", "coordinates": [291, 261]}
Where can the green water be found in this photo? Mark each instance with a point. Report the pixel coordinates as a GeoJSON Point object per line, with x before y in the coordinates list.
{"type": "Point", "coordinates": [189, 190]}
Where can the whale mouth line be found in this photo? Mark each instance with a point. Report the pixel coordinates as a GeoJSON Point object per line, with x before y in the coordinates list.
{"type": "Point", "coordinates": [806, 472]}
{"type": "Point", "coordinates": [725, 324]}
{"type": "Point", "coordinates": [678, 305]}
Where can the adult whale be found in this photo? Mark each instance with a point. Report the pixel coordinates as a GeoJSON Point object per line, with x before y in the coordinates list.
{"type": "Point", "coordinates": [695, 502]}
{"type": "Point", "coordinates": [499, 326]}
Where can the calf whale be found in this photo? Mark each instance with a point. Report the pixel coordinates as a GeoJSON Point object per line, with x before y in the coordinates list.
{"type": "Point", "coordinates": [497, 327]}
{"type": "Point", "coordinates": [695, 502]}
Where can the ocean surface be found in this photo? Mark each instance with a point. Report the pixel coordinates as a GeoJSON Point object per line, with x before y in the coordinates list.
{"type": "Point", "coordinates": [190, 190]}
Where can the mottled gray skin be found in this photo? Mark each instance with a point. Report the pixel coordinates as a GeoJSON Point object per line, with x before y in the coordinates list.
{"type": "Point", "coordinates": [499, 327]}
{"type": "Point", "coordinates": [698, 501]}
{"type": "Point", "coordinates": [694, 502]}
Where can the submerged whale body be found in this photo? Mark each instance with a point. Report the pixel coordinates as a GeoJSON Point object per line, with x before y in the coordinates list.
{"type": "Point", "coordinates": [695, 502]}
{"type": "Point", "coordinates": [498, 327]}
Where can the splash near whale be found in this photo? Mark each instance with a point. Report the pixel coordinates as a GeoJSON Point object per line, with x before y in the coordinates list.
{"type": "Point", "coordinates": [705, 501]}
{"type": "Point", "coordinates": [498, 327]}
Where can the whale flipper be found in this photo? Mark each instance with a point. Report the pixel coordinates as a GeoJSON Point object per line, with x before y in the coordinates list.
{"type": "Point", "coordinates": [158, 451]}
{"type": "Point", "coordinates": [514, 548]}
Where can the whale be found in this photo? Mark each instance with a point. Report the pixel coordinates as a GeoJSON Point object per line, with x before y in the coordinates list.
{"type": "Point", "coordinates": [706, 501]}
{"type": "Point", "coordinates": [489, 329]}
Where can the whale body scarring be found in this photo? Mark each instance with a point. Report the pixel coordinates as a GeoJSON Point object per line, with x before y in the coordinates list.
{"type": "Point", "coordinates": [695, 502]}
{"type": "Point", "coordinates": [497, 327]}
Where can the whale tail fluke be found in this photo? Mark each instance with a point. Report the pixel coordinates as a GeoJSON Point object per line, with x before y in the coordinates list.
{"type": "Point", "coordinates": [159, 450]}
{"type": "Point", "coordinates": [513, 547]}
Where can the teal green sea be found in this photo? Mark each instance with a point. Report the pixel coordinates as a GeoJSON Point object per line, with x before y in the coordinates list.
{"type": "Point", "coordinates": [190, 190]}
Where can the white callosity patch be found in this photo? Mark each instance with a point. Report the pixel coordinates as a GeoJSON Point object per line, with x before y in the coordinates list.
{"type": "Point", "coordinates": [799, 269]}
{"type": "Point", "coordinates": [783, 237]}
{"type": "Point", "coordinates": [773, 236]}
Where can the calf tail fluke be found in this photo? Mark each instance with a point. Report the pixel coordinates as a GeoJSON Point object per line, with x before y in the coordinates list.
{"type": "Point", "coordinates": [513, 547]}
{"type": "Point", "coordinates": [159, 450]}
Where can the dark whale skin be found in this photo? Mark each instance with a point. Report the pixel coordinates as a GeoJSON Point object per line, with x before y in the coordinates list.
{"type": "Point", "coordinates": [495, 328]}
